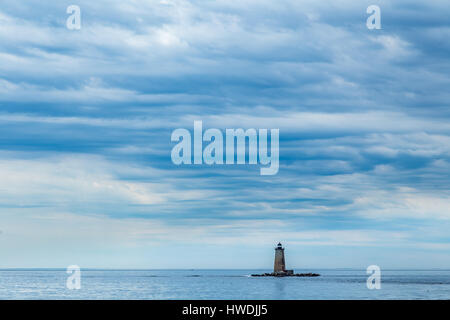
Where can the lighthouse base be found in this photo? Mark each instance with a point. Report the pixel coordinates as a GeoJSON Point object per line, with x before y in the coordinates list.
{"type": "Point", "coordinates": [286, 273]}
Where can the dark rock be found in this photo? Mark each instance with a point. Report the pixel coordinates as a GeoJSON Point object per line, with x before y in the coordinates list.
{"type": "Point", "coordinates": [285, 274]}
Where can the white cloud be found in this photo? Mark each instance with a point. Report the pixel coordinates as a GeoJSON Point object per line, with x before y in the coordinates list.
{"type": "Point", "coordinates": [77, 180]}
{"type": "Point", "coordinates": [403, 203]}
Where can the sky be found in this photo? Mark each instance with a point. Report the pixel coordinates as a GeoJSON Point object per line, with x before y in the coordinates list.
{"type": "Point", "coordinates": [86, 118]}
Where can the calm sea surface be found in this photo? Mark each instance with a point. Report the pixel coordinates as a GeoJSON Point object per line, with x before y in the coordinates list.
{"type": "Point", "coordinates": [221, 284]}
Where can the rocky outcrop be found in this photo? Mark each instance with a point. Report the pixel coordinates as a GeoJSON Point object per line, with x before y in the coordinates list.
{"type": "Point", "coordinates": [286, 274]}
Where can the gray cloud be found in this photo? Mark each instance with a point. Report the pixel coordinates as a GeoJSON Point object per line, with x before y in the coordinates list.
{"type": "Point", "coordinates": [86, 115]}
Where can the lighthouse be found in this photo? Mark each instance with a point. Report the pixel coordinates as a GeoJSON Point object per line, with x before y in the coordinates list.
{"type": "Point", "coordinates": [279, 265]}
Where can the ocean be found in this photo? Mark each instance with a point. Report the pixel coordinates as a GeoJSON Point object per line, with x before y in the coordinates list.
{"type": "Point", "coordinates": [222, 284]}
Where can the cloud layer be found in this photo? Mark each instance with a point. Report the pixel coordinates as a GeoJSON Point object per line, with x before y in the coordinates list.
{"type": "Point", "coordinates": [86, 118]}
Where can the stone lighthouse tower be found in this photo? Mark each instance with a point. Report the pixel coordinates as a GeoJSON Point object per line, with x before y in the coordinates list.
{"type": "Point", "coordinates": [279, 265]}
